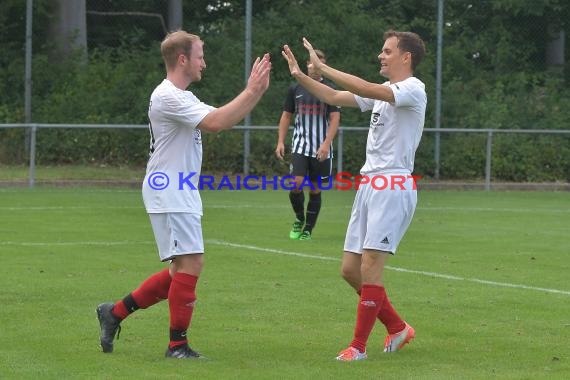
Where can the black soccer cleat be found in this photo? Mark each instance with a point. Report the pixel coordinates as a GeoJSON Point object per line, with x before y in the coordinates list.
{"type": "Point", "coordinates": [182, 352]}
{"type": "Point", "coordinates": [110, 326]}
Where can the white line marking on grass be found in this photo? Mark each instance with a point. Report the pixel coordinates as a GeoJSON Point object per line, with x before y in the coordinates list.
{"type": "Point", "coordinates": [479, 281]}
{"type": "Point", "coordinates": [73, 191]}
{"type": "Point", "coordinates": [287, 253]}
{"type": "Point", "coordinates": [207, 206]}
{"type": "Point", "coordinates": [489, 209]}
{"type": "Point", "coordinates": [56, 208]}
{"type": "Point", "coordinates": [50, 208]}
{"type": "Point", "coordinates": [256, 206]}
{"type": "Point", "coordinates": [270, 250]}
{"type": "Point", "coordinates": [397, 269]}
{"type": "Point", "coordinates": [73, 243]}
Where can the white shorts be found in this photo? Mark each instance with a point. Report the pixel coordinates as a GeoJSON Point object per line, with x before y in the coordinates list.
{"type": "Point", "coordinates": [379, 218]}
{"type": "Point", "coordinates": [177, 233]}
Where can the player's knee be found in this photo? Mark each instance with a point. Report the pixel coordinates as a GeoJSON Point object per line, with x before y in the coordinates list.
{"type": "Point", "coordinates": [349, 274]}
{"type": "Point", "coordinates": [191, 264]}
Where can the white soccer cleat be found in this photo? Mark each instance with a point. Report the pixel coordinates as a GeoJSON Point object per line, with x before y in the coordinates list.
{"type": "Point", "coordinates": [351, 354]}
{"type": "Point", "coordinates": [395, 342]}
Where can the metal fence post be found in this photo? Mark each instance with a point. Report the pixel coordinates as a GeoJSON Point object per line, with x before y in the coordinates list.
{"type": "Point", "coordinates": [32, 171]}
{"type": "Point", "coordinates": [246, 149]}
{"type": "Point", "coordinates": [339, 149]}
{"type": "Point", "coordinates": [438, 81]}
{"type": "Point", "coordinates": [488, 160]}
{"type": "Point", "coordinates": [28, 72]}
{"type": "Point", "coordinates": [247, 64]}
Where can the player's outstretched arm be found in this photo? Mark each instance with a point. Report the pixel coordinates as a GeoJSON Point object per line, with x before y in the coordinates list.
{"type": "Point", "coordinates": [321, 91]}
{"type": "Point", "coordinates": [349, 82]}
{"type": "Point", "coordinates": [233, 112]}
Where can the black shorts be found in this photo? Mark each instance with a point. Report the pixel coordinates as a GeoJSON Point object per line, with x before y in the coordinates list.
{"type": "Point", "coordinates": [309, 166]}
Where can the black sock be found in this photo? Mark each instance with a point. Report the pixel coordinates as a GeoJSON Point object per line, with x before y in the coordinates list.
{"type": "Point", "coordinates": [313, 208]}
{"type": "Point", "coordinates": [298, 203]}
{"type": "Point", "coordinates": [130, 303]}
{"type": "Point", "coordinates": [177, 338]}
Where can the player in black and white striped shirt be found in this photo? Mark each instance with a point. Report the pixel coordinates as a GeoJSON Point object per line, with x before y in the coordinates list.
{"type": "Point", "coordinates": [316, 124]}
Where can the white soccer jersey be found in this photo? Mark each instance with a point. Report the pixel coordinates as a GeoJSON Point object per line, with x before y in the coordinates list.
{"type": "Point", "coordinates": [173, 169]}
{"type": "Point", "coordinates": [395, 129]}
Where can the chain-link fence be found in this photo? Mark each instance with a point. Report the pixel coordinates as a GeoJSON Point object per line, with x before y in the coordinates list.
{"type": "Point", "coordinates": [503, 66]}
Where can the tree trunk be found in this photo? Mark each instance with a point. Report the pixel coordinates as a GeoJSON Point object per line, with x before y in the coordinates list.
{"type": "Point", "coordinates": [69, 27]}
{"type": "Point", "coordinates": [555, 51]}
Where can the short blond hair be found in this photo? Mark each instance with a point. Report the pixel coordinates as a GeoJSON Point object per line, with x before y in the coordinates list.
{"type": "Point", "coordinates": [174, 44]}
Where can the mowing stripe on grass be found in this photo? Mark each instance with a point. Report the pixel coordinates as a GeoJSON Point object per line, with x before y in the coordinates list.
{"type": "Point", "coordinates": [289, 253]}
{"type": "Point", "coordinates": [281, 206]}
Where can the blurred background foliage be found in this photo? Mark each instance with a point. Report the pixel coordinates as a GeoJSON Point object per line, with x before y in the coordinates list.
{"type": "Point", "coordinates": [497, 73]}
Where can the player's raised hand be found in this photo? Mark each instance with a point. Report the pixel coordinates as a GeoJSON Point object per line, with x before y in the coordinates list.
{"type": "Point", "coordinates": [313, 58]}
{"type": "Point", "coordinates": [259, 77]}
{"type": "Point", "coordinates": [291, 60]}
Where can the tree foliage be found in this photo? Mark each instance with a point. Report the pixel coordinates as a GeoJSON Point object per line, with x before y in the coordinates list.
{"type": "Point", "coordinates": [494, 74]}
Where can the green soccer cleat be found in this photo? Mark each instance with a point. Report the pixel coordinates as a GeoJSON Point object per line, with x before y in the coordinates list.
{"type": "Point", "coordinates": [296, 230]}
{"type": "Point", "coordinates": [305, 235]}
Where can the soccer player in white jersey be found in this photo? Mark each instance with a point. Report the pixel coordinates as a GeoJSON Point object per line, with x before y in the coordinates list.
{"type": "Point", "coordinates": [177, 119]}
{"type": "Point", "coordinates": [316, 124]}
{"type": "Point", "coordinates": [379, 218]}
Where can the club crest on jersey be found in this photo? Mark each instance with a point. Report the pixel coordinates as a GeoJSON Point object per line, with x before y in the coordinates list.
{"type": "Point", "coordinates": [375, 121]}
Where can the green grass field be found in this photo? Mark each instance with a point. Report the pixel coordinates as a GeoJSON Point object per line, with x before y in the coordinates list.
{"type": "Point", "coordinates": [482, 276]}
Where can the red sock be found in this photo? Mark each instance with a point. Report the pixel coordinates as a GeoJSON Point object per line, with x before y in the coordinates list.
{"type": "Point", "coordinates": [389, 317]}
{"type": "Point", "coordinates": [120, 310]}
{"type": "Point", "coordinates": [371, 299]}
{"type": "Point", "coordinates": [154, 289]}
{"type": "Point", "coordinates": [181, 298]}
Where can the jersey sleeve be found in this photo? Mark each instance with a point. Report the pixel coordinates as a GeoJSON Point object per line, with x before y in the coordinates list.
{"type": "Point", "coordinates": [408, 93]}
{"type": "Point", "coordinates": [365, 104]}
{"type": "Point", "coordinates": [289, 105]}
{"type": "Point", "coordinates": [331, 108]}
{"type": "Point", "coordinates": [186, 110]}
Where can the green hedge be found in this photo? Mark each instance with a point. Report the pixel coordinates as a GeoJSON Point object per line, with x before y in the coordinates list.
{"type": "Point", "coordinates": [113, 86]}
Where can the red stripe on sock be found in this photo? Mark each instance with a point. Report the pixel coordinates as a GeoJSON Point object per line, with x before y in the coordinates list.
{"type": "Point", "coordinates": [175, 343]}
{"type": "Point", "coordinates": [119, 310]}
